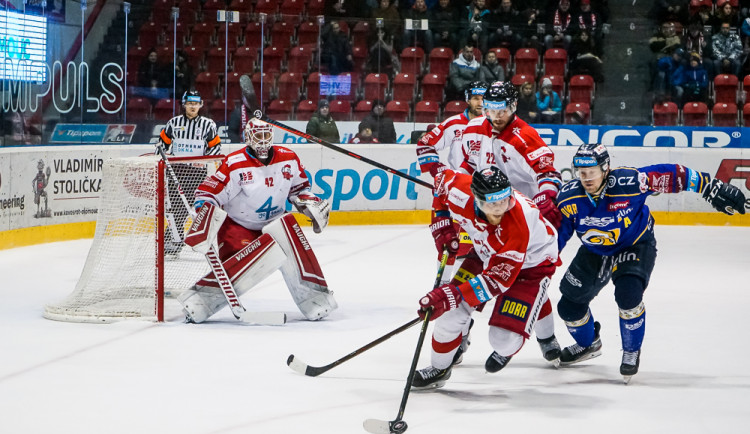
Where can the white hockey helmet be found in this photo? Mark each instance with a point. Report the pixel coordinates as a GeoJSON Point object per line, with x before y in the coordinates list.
{"type": "Point", "coordinates": [259, 137]}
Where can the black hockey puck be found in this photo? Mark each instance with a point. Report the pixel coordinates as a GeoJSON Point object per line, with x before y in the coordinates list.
{"type": "Point", "coordinates": [398, 427]}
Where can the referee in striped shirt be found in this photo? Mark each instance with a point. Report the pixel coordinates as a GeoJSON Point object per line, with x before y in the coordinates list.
{"type": "Point", "coordinates": [183, 136]}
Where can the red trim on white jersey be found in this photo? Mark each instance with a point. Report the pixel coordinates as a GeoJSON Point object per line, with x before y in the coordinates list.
{"type": "Point", "coordinates": [448, 134]}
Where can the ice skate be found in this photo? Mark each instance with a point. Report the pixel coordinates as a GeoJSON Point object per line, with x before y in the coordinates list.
{"type": "Point", "coordinates": [496, 362]}
{"type": "Point", "coordinates": [171, 249]}
{"type": "Point", "coordinates": [430, 378]}
{"type": "Point", "coordinates": [550, 350]}
{"type": "Point", "coordinates": [629, 366]}
{"type": "Point", "coordinates": [576, 353]}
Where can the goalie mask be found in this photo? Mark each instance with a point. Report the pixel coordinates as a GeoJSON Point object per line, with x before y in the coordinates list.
{"type": "Point", "coordinates": [259, 137]}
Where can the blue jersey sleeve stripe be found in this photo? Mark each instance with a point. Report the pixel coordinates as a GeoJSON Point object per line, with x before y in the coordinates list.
{"type": "Point", "coordinates": [477, 285]}
{"type": "Point", "coordinates": [694, 180]}
{"type": "Point", "coordinates": [428, 159]}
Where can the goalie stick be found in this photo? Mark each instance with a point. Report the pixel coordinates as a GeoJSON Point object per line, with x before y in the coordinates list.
{"type": "Point", "coordinates": [238, 310]}
{"type": "Point", "coordinates": [251, 103]}
{"type": "Point", "coordinates": [313, 371]}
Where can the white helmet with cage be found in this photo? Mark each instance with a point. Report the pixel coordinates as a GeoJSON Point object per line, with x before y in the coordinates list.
{"type": "Point", "coordinates": [259, 137]}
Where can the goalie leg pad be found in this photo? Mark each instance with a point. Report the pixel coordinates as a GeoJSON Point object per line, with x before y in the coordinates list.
{"type": "Point", "coordinates": [245, 269]}
{"type": "Point", "coordinates": [301, 271]}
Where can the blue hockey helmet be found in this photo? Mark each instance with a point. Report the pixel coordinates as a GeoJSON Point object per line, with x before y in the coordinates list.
{"type": "Point", "coordinates": [590, 155]}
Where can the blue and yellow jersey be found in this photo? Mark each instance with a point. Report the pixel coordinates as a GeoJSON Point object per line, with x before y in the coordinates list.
{"type": "Point", "coordinates": [619, 216]}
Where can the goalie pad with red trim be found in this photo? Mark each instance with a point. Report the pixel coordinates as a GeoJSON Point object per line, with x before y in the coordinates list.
{"type": "Point", "coordinates": [245, 269]}
{"type": "Point", "coordinates": [301, 271]}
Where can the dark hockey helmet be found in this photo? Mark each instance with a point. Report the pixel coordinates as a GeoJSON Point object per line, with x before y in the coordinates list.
{"type": "Point", "coordinates": [590, 155]}
{"type": "Point", "coordinates": [475, 88]}
{"type": "Point", "coordinates": [500, 95]}
{"type": "Point", "coordinates": [490, 185]}
{"type": "Point", "coordinates": [192, 95]}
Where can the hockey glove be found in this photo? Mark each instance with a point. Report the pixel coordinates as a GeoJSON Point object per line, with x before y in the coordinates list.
{"type": "Point", "coordinates": [441, 300]}
{"type": "Point", "coordinates": [314, 208]}
{"type": "Point", "coordinates": [545, 201]}
{"type": "Point", "coordinates": [724, 197]}
{"type": "Point", "coordinates": [444, 234]}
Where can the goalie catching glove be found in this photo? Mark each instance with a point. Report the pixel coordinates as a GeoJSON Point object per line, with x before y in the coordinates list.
{"type": "Point", "coordinates": [442, 299]}
{"type": "Point", "coordinates": [314, 208]}
{"type": "Point", "coordinates": [724, 197]}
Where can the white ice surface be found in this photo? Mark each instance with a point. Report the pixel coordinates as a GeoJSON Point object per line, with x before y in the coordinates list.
{"type": "Point", "coordinates": [226, 377]}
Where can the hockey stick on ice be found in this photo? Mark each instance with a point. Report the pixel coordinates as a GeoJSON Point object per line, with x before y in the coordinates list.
{"type": "Point", "coordinates": [313, 371]}
{"type": "Point", "coordinates": [398, 425]}
{"type": "Point", "coordinates": [238, 310]}
{"type": "Point", "coordinates": [250, 101]}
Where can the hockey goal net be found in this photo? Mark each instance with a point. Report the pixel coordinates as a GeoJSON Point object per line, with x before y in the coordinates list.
{"type": "Point", "coordinates": [137, 257]}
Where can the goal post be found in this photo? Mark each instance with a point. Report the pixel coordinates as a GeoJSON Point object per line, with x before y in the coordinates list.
{"type": "Point", "coordinates": [137, 258]}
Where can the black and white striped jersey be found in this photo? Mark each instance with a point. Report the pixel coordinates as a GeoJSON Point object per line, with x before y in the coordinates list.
{"type": "Point", "coordinates": [187, 137]}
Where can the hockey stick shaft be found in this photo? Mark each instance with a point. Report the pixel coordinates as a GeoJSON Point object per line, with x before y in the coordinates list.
{"type": "Point", "coordinates": [314, 371]}
{"type": "Point", "coordinates": [213, 258]}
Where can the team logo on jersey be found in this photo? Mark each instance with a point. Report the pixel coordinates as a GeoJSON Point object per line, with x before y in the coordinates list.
{"type": "Point", "coordinates": [474, 146]}
{"type": "Point", "coordinates": [236, 158]}
{"type": "Point", "coordinates": [597, 237]}
{"type": "Point", "coordinates": [503, 271]}
{"type": "Point", "coordinates": [514, 308]}
{"type": "Point", "coordinates": [286, 172]}
{"type": "Point", "coordinates": [546, 161]}
{"type": "Point", "coordinates": [597, 221]}
{"type": "Point", "coordinates": [614, 206]}
{"type": "Point", "coordinates": [458, 198]}
{"type": "Point", "coordinates": [246, 178]}
{"type": "Point", "coordinates": [572, 279]}
{"type": "Point", "coordinates": [538, 153]}
{"type": "Point", "coordinates": [512, 255]}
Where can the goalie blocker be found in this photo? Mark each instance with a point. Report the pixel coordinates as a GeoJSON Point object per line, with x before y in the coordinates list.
{"type": "Point", "coordinates": [282, 246]}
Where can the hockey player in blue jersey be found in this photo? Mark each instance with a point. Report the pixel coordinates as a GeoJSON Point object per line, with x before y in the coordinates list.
{"type": "Point", "coordinates": [606, 208]}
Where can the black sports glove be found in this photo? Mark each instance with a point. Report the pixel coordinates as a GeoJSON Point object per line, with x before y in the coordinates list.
{"type": "Point", "coordinates": [724, 197]}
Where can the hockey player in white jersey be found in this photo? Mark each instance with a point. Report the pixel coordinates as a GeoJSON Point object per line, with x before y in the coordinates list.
{"type": "Point", "coordinates": [241, 212]}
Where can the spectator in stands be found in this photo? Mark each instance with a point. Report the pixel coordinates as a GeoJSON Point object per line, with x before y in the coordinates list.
{"type": "Point", "coordinates": [322, 125]}
{"type": "Point", "coordinates": [475, 19]}
{"type": "Point", "coordinates": [336, 51]}
{"type": "Point", "coordinates": [491, 70]}
{"type": "Point", "coordinates": [727, 51]}
{"type": "Point", "coordinates": [670, 10]}
{"type": "Point", "coordinates": [666, 68]}
{"type": "Point", "coordinates": [344, 9]}
{"type": "Point", "coordinates": [183, 73]}
{"type": "Point", "coordinates": [703, 14]}
{"type": "Point", "coordinates": [443, 25]}
{"type": "Point", "coordinates": [463, 70]}
{"type": "Point", "coordinates": [695, 41]}
{"type": "Point", "coordinates": [505, 23]}
{"type": "Point", "coordinates": [381, 57]}
{"type": "Point", "coordinates": [591, 22]}
{"type": "Point", "coordinates": [527, 108]}
{"type": "Point", "coordinates": [364, 135]}
{"type": "Point", "coordinates": [528, 27]}
{"type": "Point", "coordinates": [391, 21]}
{"type": "Point", "coordinates": [151, 77]}
{"type": "Point", "coordinates": [381, 125]}
{"type": "Point", "coordinates": [724, 13]}
{"type": "Point", "coordinates": [548, 103]}
{"type": "Point", "coordinates": [584, 57]}
{"type": "Point", "coordinates": [423, 37]}
{"type": "Point", "coordinates": [662, 44]}
{"type": "Point", "coordinates": [560, 27]}
{"type": "Point", "coordinates": [690, 82]}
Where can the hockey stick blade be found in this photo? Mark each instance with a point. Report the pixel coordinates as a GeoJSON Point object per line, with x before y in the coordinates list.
{"type": "Point", "coordinates": [377, 426]}
{"type": "Point", "coordinates": [248, 96]}
{"type": "Point", "coordinates": [264, 318]}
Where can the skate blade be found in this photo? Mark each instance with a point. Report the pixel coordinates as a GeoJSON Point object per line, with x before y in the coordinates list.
{"type": "Point", "coordinates": [626, 379]}
{"type": "Point", "coordinates": [555, 363]}
{"type": "Point", "coordinates": [433, 386]}
{"type": "Point", "coordinates": [589, 356]}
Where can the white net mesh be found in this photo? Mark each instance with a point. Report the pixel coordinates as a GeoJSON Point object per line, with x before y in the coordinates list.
{"type": "Point", "coordinates": [120, 278]}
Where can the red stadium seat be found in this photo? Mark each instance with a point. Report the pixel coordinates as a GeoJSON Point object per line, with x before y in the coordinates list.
{"type": "Point", "coordinates": [211, 6]}
{"type": "Point", "coordinates": [290, 86]}
{"type": "Point", "coordinates": [180, 31]}
{"type": "Point", "coordinates": [233, 33]}
{"type": "Point", "coordinates": [292, 8]}
{"type": "Point", "coordinates": [503, 58]}
{"type": "Point", "coordinates": [362, 109]}
{"type": "Point", "coordinates": [194, 57]}
{"type": "Point", "coordinates": [724, 114]}
{"type": "Point", "coordinates": [136, 55]}
{"type": "Point", "coordinates": [520, 79]}
{"type": "Point", "coordinates": [305, 109]}
{"type": "Point", "coordinates": [268, 82]}
{"type": "Point", "coordinates": [440, 60]}
{"type": "Point", "coordinates": [341, 110]}
{"type": "Point", "coordinates": [360, 34]}
{"type": "Point", "coordinates": [578, 113]}
{"type": "Point", "coordinates": [746, 115]}
{"type": "Point", "coordinates": [207, 84]}
{"type": "Point", "coordinates": [165, 109]}
{"type": "Point", "coordinates": [359, 54]}
{"type": "Point", "coordinates": [273, 56]}
{"type": "Point", "coordinates": [149, 34]}
{"type": "Point", "coordinates": [665, 114]}
{"type": "Point", "coordinates": [202, 34]}
{"type": "Point", "coordinates": [453, 108]}
{"type": "Point", "coordinates": [244, 59]}
{"type": "Point", "coordinates": [215, 60]}
{"type": "Point", "coordinates": [268, 7]}
{"type": "Point", "coordinates": [404, 86]}
{"type": "Point", "coordinates": [256, 34]}
{"type": "Point", "coordinates": [397, 110]}
{"type": "Point", "coordinates": [234, 92]}
{"type": "Point", "coordinates": [745, 89]}
{"type": "Point", "coordinates": [313, 86]}
{"type": "Point", "coordinates": [527, 61]}
{"type": "Point", "coordinates": [315, 7]}
{"type": "Point", "coordinates": [281, 35]}
{"type": "Point", "coordinates": [161, 11]}
{"type": "Point", "coordinates": [558, 84]}
{"type": "Point", "coordinates": [412, 60]}
{"type": "Point", "coordinates": [555, 62]}
{"type": "Point", "coordinates": [725, 88]}
{"type": "Point", "coordinates": [376, 86]}
{"type": "Point", "coordinates": [695, 114]}
{"type": "Point", "coordinates": [433, 86]}
{"type": "Point", "coordinates": [307, 33]}
{"type": "Point", "coordinates": [581, 89]}
{"type": "Point", "coordinates": [280, 109]}
{"type": "Point", "coordinates": [218, 109]}
{"type": "Point", "coordinates": [426, 111]}
{"type": "Point", "coordinates": [241, 6]}
{"type": "Point", "coordinates": [138, 109]}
